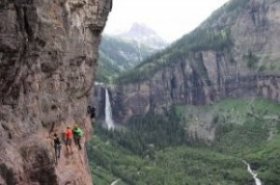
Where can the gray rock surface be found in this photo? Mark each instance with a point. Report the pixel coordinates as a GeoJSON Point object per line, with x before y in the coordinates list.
{"type": "Point", "coordinates": [48, 54]}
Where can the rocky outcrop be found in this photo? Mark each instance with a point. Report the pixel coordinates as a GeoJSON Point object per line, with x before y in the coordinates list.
{"type": "Point", "coordinates": [246, 63]}
{"type": "Point", "coordinates": [176, 86]}
{"type": "Point", "coordinates": [265, 86]}
{"type": "Point", "coordinates": [48, 54]}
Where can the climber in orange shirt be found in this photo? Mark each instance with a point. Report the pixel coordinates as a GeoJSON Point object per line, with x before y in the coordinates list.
{"type": "Point", "coordinates": [68, 140]}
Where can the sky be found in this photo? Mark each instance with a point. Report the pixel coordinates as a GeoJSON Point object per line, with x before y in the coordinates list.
{"type": "Point", "coordinates": [171, 19]}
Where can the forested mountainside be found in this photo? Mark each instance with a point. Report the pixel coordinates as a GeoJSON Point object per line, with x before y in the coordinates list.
{"type": "Point", "coordinates": [120, 53]}
{"type": "Point", "coordinates": [48, 52]}
{"type": "Point", "coordinates": [117, 55]}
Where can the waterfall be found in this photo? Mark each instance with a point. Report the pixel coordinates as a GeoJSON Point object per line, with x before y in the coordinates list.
{"type": "Point", "coordinates": [108, 112]}
{"type": "Point", "coordinates": [255, 175]}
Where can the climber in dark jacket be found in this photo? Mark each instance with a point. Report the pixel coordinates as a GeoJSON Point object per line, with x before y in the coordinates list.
{"type": "Point", "coordinates": [57, 147]}
{"type": "Point", "coordinates": [91, 111]}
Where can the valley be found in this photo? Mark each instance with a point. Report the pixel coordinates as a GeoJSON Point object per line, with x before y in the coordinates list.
{"type": "Point", "coordinates": [194, 112]}
{"type": "Point", "coordinates": [148, 152]}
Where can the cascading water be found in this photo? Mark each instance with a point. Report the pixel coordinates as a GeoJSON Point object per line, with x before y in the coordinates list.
{"type": "Point", "coordinates": [108, 112]}
{"type": "Point", "coordinates": [255, 175]}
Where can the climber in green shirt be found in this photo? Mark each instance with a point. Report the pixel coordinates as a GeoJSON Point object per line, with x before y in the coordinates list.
{"type": "Point", "coordinates": [78, 134]}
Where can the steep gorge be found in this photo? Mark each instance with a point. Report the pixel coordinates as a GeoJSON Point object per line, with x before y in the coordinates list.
{"type": "Point", "coordinates": [48, 55]}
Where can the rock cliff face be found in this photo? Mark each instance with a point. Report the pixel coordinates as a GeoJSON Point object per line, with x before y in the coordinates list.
{"type": "Point", "coordinates": [245, 64]}
{"type": "Point", "coordinates": [48, 54]}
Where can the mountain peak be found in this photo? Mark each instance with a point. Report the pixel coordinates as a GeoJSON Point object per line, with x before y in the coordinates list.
{"type": "Point", "coordinates": [138, 29]}
{"type": "Point", "coordinates": [142, 34]}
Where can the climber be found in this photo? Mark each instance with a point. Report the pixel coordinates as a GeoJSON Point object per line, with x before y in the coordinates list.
{"type": "Point", "coordinates": [57, 147]}
{"type": "Point", "coordinates": [78, 134]}
{"type": "Point", "coordinates": [91, 111]}
{"type": "Point", "coordinates": [68, 140]}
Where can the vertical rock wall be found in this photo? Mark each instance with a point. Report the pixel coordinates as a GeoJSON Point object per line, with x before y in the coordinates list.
{"type": "Point", "coordinates": [48, 54]}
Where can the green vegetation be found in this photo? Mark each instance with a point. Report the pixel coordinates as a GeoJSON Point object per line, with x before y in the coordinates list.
{"type": "Point", "coordinates": [267, 160]}
{"type": "Point", "coordinates": [158, 150]}
{"type": "Point", "coordinates": [198, 40]}
{"type": "Point", "coordinates": [240, 124]}
{"type": "Point", "coordinates": [205, 39]}
{"type": "Point", "coordinates": [246, 129]}
{"type": "Point", "coordinates": [150, 132]}
{"type": "Point", "coordinates": [170, 166]}
{"type": "Point", "coordinates": [106, 69]}
{"type": "Point", "coordinates": [229, 11]}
